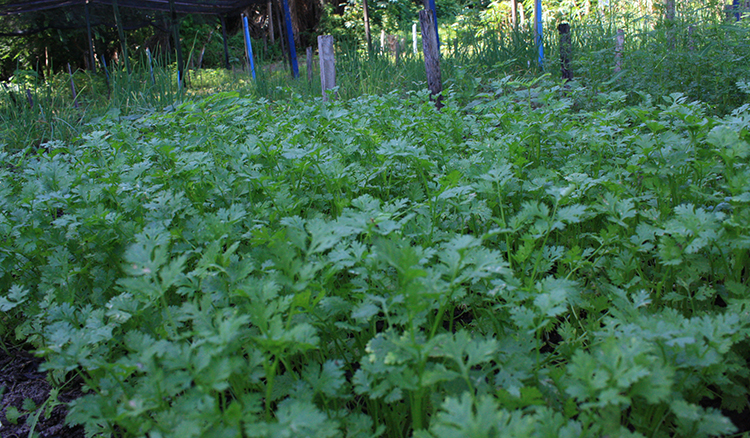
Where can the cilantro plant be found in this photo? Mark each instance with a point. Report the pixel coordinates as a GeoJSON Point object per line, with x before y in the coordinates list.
{"type": "Point", "coordinates": [374, 267]}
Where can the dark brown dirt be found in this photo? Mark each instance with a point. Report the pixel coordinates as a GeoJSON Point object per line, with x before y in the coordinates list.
{"type": "Point", "coordinates": [21, 380]}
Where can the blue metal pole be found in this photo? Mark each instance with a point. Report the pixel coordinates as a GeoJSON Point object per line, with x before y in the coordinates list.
{"type": "Point", "coordinates": [539, 31]}
{"type": "Point", "coordinates": [248, 45]}
{"type": "Point", "coordinates": [106, 75]}
{"type": "Point", "coordinates": [290, 37]}
{"type": "Point", "coordinates": [104, 64]}
{"type": "Point", "coordinates": [434, 20]}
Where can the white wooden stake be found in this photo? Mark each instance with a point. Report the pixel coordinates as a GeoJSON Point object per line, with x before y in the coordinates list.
{"type": "Point", "coordinates": [619, 42]}
{"type": "Point", "coordinates": [327, 64]}
{"type": "Point", "coordinates": [414, 37]}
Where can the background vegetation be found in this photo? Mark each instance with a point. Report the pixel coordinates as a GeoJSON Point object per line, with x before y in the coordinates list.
{"type": "Point", "coordinates": [699, 53]}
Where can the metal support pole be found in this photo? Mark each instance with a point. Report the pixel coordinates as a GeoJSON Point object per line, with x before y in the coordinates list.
{"type": "Point", "coordinates": [178, 46]}
{"type": "Point", "coordinates": [248, 45]}
{"type": "Point", "coordinates": [290, 38]}
{"type": "Point", "coordinates": [121, 34]}
{"type": "Point", "coordinates": [92, 59]}
{"type": "Point", "coordinates": [539, 31]}
{"type": "Point", "coordinates": [366, 11]}
{"type": "Point", "coordinates": [151, 66]}
{"type": "Point", "coordinates": [73, 87]}
{"type": "Point", "coordinates": [226, 46]}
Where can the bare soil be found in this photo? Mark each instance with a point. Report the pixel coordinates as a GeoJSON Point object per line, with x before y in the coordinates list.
{"type": "Point", "coordinates": [20, 379]}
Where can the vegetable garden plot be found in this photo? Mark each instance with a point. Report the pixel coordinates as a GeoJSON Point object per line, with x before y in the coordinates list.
{"type": "Point", "coordinates": [374, 267]}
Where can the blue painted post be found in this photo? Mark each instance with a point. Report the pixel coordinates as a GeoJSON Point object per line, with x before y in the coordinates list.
{"type": "Point", "coordinates": [104, 64]}
{"type": "Point", "coordinates": [106, 75]}
{"type": "Point", "coordinates": [434, 20]}
{"type": "Point", "coordinates": [539, 31]}
{"type": "Point", "coordinates": [248, 45]}
{"type": "Point", "coordinates": [290, 38]}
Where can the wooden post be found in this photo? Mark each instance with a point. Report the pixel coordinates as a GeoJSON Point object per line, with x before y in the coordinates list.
{"type": "Point", "coordinates": [619, 43]}
{"type": "Point", "coordinates": [566, 49]}
{"type": "Point", "coordinates": [431, 56]}
{"type": "Point", "coordinates": [309, 54]}
{"type": "Point", "coordinates": [366, 11]}
{"type": "Point", "coordinates": [121, 34]}
{"type": "Point", "coordinates": [248, 46]}
{"type": "Point", "coordinates": [393, 46]}
{"type": "Point", "coordinates": [290, 39]}
{"type": "Point", "coordinates": [178, 45]}
{"type": "Point", "coordinates": [669, 11]}
{"type": "Point", "coordinates": [270, 21]}
{"type": "Point", "coordinates": [382, 41]}
{"type": "Point", "coordinates": [226, 46]}
{"type": "Point", "coordinates": [92, 58]}
{"type": "Point", "coordinates": [414, 37]}
{"type": "Point", "coordinates": [736, 9]}
{"type": "Point", "coordinates": [728, 12]}
{"type": "Point", "coordinates": [741, 7]}
{"type": "Point", "coordinates": [47, 66]}
{"type": "Point", "coordinates": [514, 14]}
{"type": "Point", "coordinates": [327, 64]}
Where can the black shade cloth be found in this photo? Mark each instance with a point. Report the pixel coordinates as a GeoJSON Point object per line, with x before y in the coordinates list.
{"type": "Point", "coordinates": [69, 14]}
{"type": "Point", "coordinates": [181, 6]}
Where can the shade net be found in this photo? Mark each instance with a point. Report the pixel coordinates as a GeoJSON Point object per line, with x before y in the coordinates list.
{"type": "Point", "coordinates": [20, 18]}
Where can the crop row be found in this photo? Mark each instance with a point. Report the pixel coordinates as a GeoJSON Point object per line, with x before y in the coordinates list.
{"type": "Point", "coordinates": [376, 267]}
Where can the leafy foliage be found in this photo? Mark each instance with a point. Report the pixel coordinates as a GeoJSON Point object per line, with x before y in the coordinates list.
{"type": "Point", "coordinates": [374, 267]}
